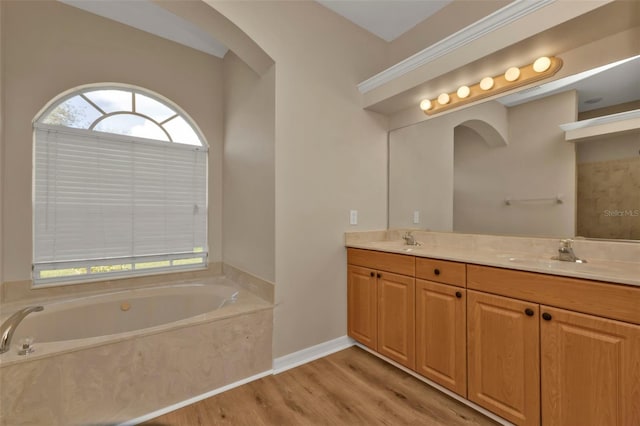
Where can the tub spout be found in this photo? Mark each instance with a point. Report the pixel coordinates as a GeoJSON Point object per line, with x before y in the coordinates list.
{"type": "Point", "coordinates": [9, 326]}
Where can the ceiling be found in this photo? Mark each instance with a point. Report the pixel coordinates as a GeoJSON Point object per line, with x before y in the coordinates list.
{"type": "Point", "coordinates": [608, 85]}
{"type": "Point", "coordinates": [147, 16]}
{"type": "Point", "coordinates": [388, 19]}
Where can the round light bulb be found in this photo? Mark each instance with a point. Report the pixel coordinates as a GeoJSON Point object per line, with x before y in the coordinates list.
{"type": "Point", "coordinates": [542, 64]}
{"type": "Point", "coordinates": [443, 99]}
{"type": "Point", "coordinates": [486, 83]}
{"type": "Point", "coordinates": [512, 74]}
{"type": "Point", "coordinates": [463, 92]}
{"type": "Point", "coordinates": [425, 105]}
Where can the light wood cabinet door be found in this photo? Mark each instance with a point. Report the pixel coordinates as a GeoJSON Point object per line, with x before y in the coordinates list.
{"type": "Point", "coordinates": [503, 353]}
{"type": "Point", "coordinates": [590, 370]}
{"type": "Point", "coordinates": [396, 318]}
{"type": "Point", "coordinates": [362, 302]}
{"type": "Point", "coordinates": [441, 335]}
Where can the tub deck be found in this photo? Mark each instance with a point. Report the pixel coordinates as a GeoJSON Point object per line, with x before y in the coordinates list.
{"type": "Point", "coordinates": [112, 379]}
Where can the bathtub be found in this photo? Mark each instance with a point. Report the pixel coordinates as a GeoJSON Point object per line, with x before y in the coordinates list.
{"type": "Point", "coordinates": [122, 312]}
{"type": "Point", "coordinates": [114, 357]}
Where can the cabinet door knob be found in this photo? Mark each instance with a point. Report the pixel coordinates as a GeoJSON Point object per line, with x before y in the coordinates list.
{"type": "Point", "coordinates": [379, 275]}
{"type": "Point", "coordinates": [372, 274]}
{"type": "Point", "coordinates": [436, 271]}
{"type": "Point", "coordinates": [529, 312]}
{"type": "Point", "coordinates": [546, 317]}
{"type": "Point", "coordinates": [458, 294]}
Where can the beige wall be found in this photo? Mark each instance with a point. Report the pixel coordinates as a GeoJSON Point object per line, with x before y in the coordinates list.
{"type": "Point", "coordinates": [421, 176]}
{"type": "Point", "coordinates": [50, 48]}
{"type": "Point", "coordinates": [448, 20]}
{"type": "Point", "coordinates": [249, 168]}
{"type": "Point", "coordinates": [577, 46]}
{"type": "Point", "coordinates": [421, 164]}
{"type": "Point", "coordinates": [330, 157]}
{"type": "Point", "coordinates": [1, 138]}
{"type": "Point", "coordinates": [458, 179]}
{"type": "Point", "coordinates": [613, 147]}
{"type": "Point", "coordinates": [537, 163]}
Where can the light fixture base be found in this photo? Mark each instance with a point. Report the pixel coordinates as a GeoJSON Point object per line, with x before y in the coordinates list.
{"type": "Point", "coordinates": [500, 85]}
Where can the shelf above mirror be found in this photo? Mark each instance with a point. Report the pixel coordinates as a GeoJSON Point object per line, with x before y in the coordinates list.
{"type": "Point", "coordinates": [594, 128]}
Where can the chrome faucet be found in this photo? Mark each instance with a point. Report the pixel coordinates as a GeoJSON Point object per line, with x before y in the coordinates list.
{"type": "Point", "coordinates": [9, 326]}
{"type": "Point", "coordinates": [566, 254]}
{"type": "Point", "coordinates": [410, 239]}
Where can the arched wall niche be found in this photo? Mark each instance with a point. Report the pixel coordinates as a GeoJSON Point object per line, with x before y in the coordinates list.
{"type": "Point", "coordinates": [486, 131]}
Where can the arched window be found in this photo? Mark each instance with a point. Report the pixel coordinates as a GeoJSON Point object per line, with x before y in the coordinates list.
{"type": "Point", "coordinates": [120, 187]}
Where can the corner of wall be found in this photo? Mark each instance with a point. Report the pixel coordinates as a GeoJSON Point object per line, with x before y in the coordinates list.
{"type": "Point", "coordinates": [2, 179]}
{"type": "Point", "coordinates": [248, 172]}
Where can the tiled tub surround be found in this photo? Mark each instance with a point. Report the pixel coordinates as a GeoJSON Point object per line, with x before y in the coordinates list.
{"type": "Point", "coordinates": [609, 199]}
{"type": "Point", "coordinates": [115, 378]}
{"type": "Point", "coordinates": [616, 262]}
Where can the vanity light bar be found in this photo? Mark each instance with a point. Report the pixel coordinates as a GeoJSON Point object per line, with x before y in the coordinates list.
{"type": "Point", "coordinates": [514, 77]}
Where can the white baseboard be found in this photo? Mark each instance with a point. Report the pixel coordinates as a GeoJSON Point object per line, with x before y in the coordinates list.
{"type": "Point", "coordinates": [195, 399]}
{"type": "Point", "coordinates": [304, 356]}
{"type": "Point", "coordinates": [279, 365]}
{"type": "Point", "coordinates": [439, 387]}
{"type": "Point", "coordinates": [312, 353]}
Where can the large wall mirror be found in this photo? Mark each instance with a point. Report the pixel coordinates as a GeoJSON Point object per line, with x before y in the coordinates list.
{"type": "Point", "coordinates": [506, 167]}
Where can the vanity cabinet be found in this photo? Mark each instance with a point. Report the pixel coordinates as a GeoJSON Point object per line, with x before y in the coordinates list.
{"type": "Point", "coordinates": [504, 360]}
{"type": "Point", "coordinates": [381, 303]}
{"type": "Point", "coordinates": [441, 334]}
{"type": "Point", "coordinates": [396, 318]}
{"type": "Point", "coordinates": [362, 306]}
{"type": "Point", "coordinates": [535, 349]}
{"type": "Point", "coordinates": [567, 362]}
{"type": "Point", "coordinates": [441, 323]}
{"type": "Point", "coordinates": [590, 370]}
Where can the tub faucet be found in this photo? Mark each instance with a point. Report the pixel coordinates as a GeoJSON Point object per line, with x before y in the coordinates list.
{"type": "Point", "coordinates": [410, 239]}
{"type": "Point", "coordinates": [566, 254]}
{"type": "Point", "coordinates": [9, 326]}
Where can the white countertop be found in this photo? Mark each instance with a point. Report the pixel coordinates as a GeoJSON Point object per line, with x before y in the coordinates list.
{"type": "Point", "coordinates": [600, 270]}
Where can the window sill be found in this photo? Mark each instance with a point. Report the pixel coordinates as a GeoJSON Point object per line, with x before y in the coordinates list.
{"type": "Point", "coordinates": [25, 291]}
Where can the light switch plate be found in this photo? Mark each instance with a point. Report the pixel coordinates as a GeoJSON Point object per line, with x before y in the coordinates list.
{"type": "Point", "coordinates": [353, 217]}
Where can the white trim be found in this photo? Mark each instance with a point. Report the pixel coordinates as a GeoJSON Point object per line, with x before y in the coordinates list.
{"type": "Point", "coordinates": [195, 399]}
{"type": "Point", "coordinates": [77, 90]}
{"type": "Point", "coordinates": [490, 23]}
{"type": "Point", "coordinates": [117, 137]}
{"type": "Point", "coordinates": [302, 357]}
{"type": "Point", "coordinates": [439, 387]}
{"type": "Point", "coordinates": [312, 353]}
{"type": "Point", "coordinates": [597, 121]}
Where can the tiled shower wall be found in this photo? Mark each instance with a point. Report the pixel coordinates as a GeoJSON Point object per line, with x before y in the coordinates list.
{"type": "Point", "coordinates": [609, 199]}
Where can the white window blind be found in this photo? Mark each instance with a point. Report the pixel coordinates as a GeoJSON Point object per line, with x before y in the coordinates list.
{"type": "Point", "coordinates": [107, 204]}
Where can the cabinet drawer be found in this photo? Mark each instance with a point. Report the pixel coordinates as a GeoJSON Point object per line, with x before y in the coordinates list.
{"type": "Point", "coordinates": [442, 271]}
{"type": "Point", "coordinates": [390, 262]}
{"type": "Point", "coordinates": [613, 301]}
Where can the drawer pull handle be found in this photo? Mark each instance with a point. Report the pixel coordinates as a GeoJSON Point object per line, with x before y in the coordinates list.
{"type": "Point", "coordinates": [372, 274]}
{"type": "Point", "coordinates": [379, 275]}
{"type": "Point", "coordinates": [546, 317]}
{"type": "Point", "coordinates": [436, 271]}
{"type": "Point", "coordinates": [529, 312]}
{"type": "Point", "coordinates": [458, 294]}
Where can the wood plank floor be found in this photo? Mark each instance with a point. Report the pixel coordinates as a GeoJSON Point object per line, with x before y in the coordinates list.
{"type": "Point", "coordinates": [350, 387]}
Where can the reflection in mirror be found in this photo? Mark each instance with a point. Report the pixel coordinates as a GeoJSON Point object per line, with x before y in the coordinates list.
{"type": "Point", "coordinates": [609, 187]}
{"type": "Point", "coordinates": [504, 167]}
